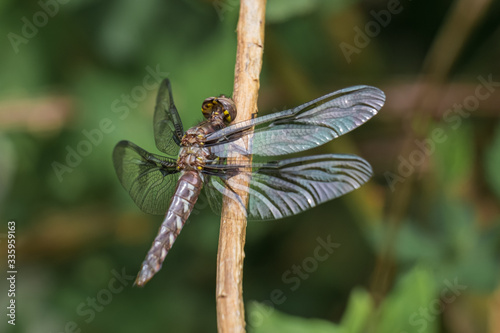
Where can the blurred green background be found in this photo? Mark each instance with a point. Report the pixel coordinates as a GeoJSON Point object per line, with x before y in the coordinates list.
{"type": "Point", "coordinates": [417, 247]}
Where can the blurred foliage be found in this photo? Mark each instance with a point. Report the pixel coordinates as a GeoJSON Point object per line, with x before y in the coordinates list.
{"type": "Point", "coordinates": [492, 161]}
{"type": "Point", "coordinates": [417, 289]}
{"type": "Point", "coordinates": [77, 229]}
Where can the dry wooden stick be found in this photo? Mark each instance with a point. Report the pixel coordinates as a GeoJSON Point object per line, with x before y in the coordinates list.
{"type": "Point", "coordinates": [229, 293]}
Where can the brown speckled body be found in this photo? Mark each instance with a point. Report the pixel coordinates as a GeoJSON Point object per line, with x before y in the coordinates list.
{"type": "Point", "coordinates": [193, 155]}
{"type": "Point", "coordinates": [181, 205]}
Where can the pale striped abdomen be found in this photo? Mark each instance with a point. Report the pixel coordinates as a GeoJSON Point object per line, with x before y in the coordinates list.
{"type": "Point", "coordinates": [181, 205]}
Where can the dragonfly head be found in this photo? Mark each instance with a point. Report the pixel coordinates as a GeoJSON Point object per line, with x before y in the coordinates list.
{"type": "Point", "coordinates": [221, 107]}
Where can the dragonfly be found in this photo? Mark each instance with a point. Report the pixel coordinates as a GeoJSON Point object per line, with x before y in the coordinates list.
{"type": "Point", "coordinates": [206, 157]}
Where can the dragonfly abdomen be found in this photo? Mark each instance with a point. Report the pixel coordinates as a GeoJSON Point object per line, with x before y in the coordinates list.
{"type": "Point", "coordinates": [181, 205]}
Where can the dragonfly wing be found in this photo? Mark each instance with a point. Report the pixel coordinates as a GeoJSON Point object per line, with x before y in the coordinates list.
{"type": "Point", "coordinates": [304, 127]}
{"type": "Point", "coordinates": [168, 130]}
{"type": "Point", "coordinates": [215, 191]}
{"type": "Point", "coordinates": [149, 179]}
{"type": "Point", "coordinates": [284, 188]}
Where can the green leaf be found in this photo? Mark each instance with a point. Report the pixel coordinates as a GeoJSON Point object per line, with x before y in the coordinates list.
{"type": "Point", "coordinates": [265, 319]}
{"type": "Point", "coordinates": [358, 312]}
{"type": "Point", "coordinates": [407, 307]}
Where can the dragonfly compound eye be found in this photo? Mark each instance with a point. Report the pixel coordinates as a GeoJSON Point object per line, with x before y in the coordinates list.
{"type": "Point", "coordinates": [228, 108]}
{"type": "Point", "coordinates": [207, 106]}
{"type": "Point", "coordinates": [222, 105]}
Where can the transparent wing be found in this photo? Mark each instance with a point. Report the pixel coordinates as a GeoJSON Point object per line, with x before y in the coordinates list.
{"type": "Point", "coordinates": [167, 124]}
{"type": "Point", "coordinates": [284, 188]}
{"type": "Point", "coordinates": [304, 127]}
{"type": "Point", "coordinates": [149, 179]}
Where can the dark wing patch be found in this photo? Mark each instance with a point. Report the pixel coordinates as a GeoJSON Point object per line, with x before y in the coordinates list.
{"type": "Point", "coordinates": [149, 179]}
{"type": "Point", "coordinates": [168, 130]}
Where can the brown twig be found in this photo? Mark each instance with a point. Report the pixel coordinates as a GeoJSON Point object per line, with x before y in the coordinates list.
{"type": "Point", "coordinates": [229, 293]}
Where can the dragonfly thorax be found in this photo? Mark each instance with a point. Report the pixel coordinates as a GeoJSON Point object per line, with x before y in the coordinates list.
{"type": "Point", "coordinates": [192, 158]}
{"type": "Point", "coordinates": [193, 155]}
